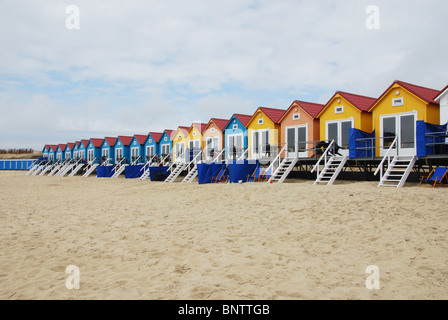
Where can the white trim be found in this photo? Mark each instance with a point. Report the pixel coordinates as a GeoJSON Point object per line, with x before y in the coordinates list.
{"type": "Point", "coordinates": [397, 102]}
{"type": "Point", "coordinates": [296, 116]}
{"type": "Point", "coordinates": [338, 109]}
{"type": "Point", "coordinates": [260, 121]}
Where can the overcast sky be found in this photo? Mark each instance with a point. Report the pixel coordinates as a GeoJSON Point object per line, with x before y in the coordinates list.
{"type": "Point", "coordinates": [138, 66]}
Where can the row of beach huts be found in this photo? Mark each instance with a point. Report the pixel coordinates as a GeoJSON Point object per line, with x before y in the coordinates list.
{"type": "Point", "coordinates": [406, 123]}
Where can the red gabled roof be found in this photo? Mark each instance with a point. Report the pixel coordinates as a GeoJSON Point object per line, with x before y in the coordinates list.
{"type": "Point", "coordinates": [126, 140]}
{"type": "Point", "coordinates": [111, 141]}
{"type": "Point", "coordinates": [62, 147]}
{"type": "Point", "coordinates": [54, 147]}
{"type": "Point", "coordinates": [141, 138]}
{"type": "Point", "coordinates": [363, 103]}
{"type": "Point", "coordinates": [85, 142]}
{"type": "Point", "coordinates": [274, 114]}
{"type": "Point", "coordinates": [201, 128]}
{"type": "Point", "coordinates": [426, 94]}
{"type": "Point", "coordinates": [168, 132]}
{"type": "Point", "coordinates": [70, 145]}
{"type": "Point", "coordinates": [156, 136]}
{"type": "Point", "coordinates": [220, 123]}
{"type": "Point", "coordinates": [184, 129]}
{"type": "Point", "coordinates": [47, 146]}
{"type": "Point", "coordinates": [77, 143]}
{"type": "Point", "coordinates": [313, 109]}
{"type": "Point", "coordinates": [97, 143]}
{"type": "Point", "coordinates": [243, 118]}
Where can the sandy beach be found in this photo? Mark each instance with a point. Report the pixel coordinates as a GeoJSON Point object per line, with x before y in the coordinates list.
{"type": "Point", "coordinates": [136, 239]}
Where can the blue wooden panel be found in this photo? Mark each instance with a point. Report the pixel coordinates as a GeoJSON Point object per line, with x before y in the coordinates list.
{"type": "Point", "coordinates": [2, 165]}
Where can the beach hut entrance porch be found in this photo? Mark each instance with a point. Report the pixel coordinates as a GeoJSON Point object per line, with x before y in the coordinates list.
{"type": "Point", "coordinates": [296, 139]}
{"type": "Point", "coordinates": [339, 131]}
{"type": "Point", "coordinates": [402, 126]}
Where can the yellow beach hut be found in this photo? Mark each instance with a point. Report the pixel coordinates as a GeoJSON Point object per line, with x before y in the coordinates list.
{"type": "Point", "coordinates": [179, 137]}
{"type": "Point", "coordinates": [343, 112]}
{"type": "Point", "coordinates": [396, 112]}
{"type": "Point", "coordinates": [264, 132]}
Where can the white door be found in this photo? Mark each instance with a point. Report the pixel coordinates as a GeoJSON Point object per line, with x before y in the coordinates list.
{"type": "Point", "coordinates": [134, 154]}
{"type": "Point", "coordinates": [339, 131]}
{"type": "Point", "coordinates": [211, 148]}
{"type": "Point", "coordinates": [180, 148]}
{"type": "Point", "coordinates": [296, 138]}
{"type": "Point", "coordinates": [118, 155]}
{"type": "Point", "coordinates": [260, 143]}
{"type": "Point", "coordinates": [235, 146]}
{"type": "Point", "coordinates": [165, 149]}
{"type": "Point", "coordinates": [402, 126]}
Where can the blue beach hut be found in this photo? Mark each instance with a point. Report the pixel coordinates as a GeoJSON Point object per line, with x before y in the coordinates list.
{"type": "Point", "coordinates": [235, 136]}
{"type": "Point", "coordinates": [108, 150]}
{"type": "Point", "coordinates": [152, 146]}
{"type": "Point", "coordinates": [94, 150]}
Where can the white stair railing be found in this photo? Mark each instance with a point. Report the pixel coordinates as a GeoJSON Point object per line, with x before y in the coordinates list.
{"type": "Point", "coordinates": [387, 157]}
{"type": "Point", "coordinates": [192, 172]}
{"type": "Point", "coordinates": [324, 157]}
{"type": "Point", "coordinates": [219, 154]}
{"type": "Point", "coordinates": [242, 156]}
{"type": "Point", "coordinates": [277, 159]}
{"type": "Point", "coordinates": [136, 161]}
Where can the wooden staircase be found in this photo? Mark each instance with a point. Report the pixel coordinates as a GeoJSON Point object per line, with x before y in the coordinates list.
{"type": "Point", "coordinates": [56, 168]}
{"type": "Point", "coordinates": [176, 172]}
{"type": "Point", "coordinates": [397, 171]}
{"type": "Point", "coordinates": [78, 167]}
{"type": "Point", "coordinates": [191, 175]}
{"type": "Point", "coordinates": [90, 169]}
{"type": "Point", "coordinates": [282, 171]}
{"type": "Point", "coordinates": [331, 170]}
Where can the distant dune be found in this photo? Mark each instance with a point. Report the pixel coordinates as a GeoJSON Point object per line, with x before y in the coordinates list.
{"type": "Point", "coordinates": [34, 155]}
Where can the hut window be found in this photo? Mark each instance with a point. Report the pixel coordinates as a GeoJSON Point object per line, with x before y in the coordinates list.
{"type": "Point", "coordinates": [150, 140]}
{"type": "Point", "coordinates": [296, 116]}
{"type": "Point", "coordinates": [212, 129]}
{"type": "Point", "coordinates": [165, 139]}
{"type": "Point", "coordinates": [105, 144]}
{"type": "Point", "coordinates": [180, 137]}
{"type": "Point", "coordinates": [235, 126]}
{"type": "Point", "coordinates": [260, 121]}
{"type": "Point", "coordinates": [397, 102]}
{"type": "Point", "coordinates": [339, 109]}
{"type": "Point", "coordinates": [194, 133]}
{"type": "Point", "coordinates": [135, 142]}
